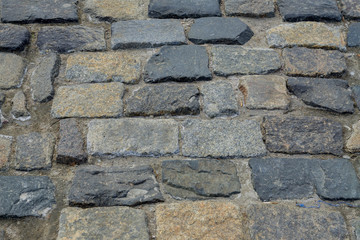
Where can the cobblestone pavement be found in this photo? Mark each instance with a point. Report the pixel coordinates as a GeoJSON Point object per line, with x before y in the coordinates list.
{"type": "Point", "coordinates": [179, 119]}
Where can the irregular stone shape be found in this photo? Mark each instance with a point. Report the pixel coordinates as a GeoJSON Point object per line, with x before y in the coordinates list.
{"type": "Point", "coordinates": [19, 110]}
{"type": "Point", "coordinates": [70, 148]}
{"type": "Point", "coordinates": [33, 151]}
{"type": "Point", "coordinates": [88, 100]}
{"type": "Point", "coordinates": [306, 34]}
{"type": "Point", "coordinates": [178, 63]}
{"type": "Point", "coordinates": [146, 33]}
{"type": "Point", "coordinates": [5, 151]}
{"type": "Point", "coordinates": [285, 222]}
{"type": "Point", "coordinates": [103, 223]}
{"type": "Point", "coordinates": [132, 137]}
{"type": "Point", "coordinates": [164, 99]}
{"type": "Point", "coordinates": [201, 138]}
{"type": "Point", "coordinates": [13, 37]}
{"type": "Point", "coordinates": [22, 196]}
{"type": "Point", "coordinates": [250, 8]}
{"type": "Point", "coordinates": [265, 92]}
{"type": "Point", "coordinates": [114, 186]}
{"type": "Point", "coordinates": [12, 68]}
{"type": "Point", "coordinates": [31, 11]}
{"type": "Point", "coordinates": [70, 39]}
{"type": "Point", "coordinates": [353, 39]}
{"type": "Point", "coordinates": [219, 99]}
{"type": "Point", "coordinates": [295, 134]}
{"type": "Point", "coordinates": [231, 60]}
{"type": "Point", "coordinates": [42, 78]}
{"type": "Point", "coordinates": [199, 179]}
{"type": "Point", "coordinates": [184, 8]}
{"type": "Point", "coordinates": [310, 62]}
{"type": "Point", "coordinates": [330, 94]}
{"type": "Point", "coordinates": [356, 95]}
{"type": "Point", "coordinates": [308, 10]}
{"type": "Point", "coordinates": [353, 143]}
{"type": "Point", "coordinates": [219, 30]}
{"type": "Point", "coordinates": [350, 9]}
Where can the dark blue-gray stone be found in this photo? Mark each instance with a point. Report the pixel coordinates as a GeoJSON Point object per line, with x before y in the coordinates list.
{"type": "Point", "coordinates": [353, 37]}
{"type": "Point", "coordinates": [356, 95]}
{"type": "Point", "coordinates": [13, 37]}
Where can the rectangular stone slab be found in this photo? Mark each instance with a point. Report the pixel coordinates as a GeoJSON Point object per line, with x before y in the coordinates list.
{"type": "Point", "coordinates": [250, 8]}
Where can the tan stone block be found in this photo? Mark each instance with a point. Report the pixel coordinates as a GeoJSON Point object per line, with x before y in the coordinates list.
{"type": "Point", "coordinates": [353, 143]}
{"type": "Point", "coordinates": [5, 150]}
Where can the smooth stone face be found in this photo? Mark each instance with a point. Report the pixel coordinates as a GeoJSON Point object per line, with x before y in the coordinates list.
{"type": "Point", "coordinates": [295, 134]}
{"type": "Point", "coordinates": [250, 8]}
{"type": "Point", "coordinates": [19, 110]}
{"type": "Point", "coordinates": [12, 68]}
{"type": "Point", "coordinates": [132, 137]}
{"type": "Point", "coordinates": [13, 37]}
{"type": "Point", "coordinates": [353, 39]}
{"type": "Point", "coordinates": [353, 143]}
{"type": "Point", "coordinates": [222, 138]}
{"type": "Point", "coordinates": [22, 196]}
{"type": "Point", "coordinates": [350, 9]}
{"type": "Point", "coordinates": [115, 186]}
{"type": "Point", "coordinates": [164, 99]}
{"type": "Point", "coordinates": [219, 30]}
{"type": "Point", "coordinates": [200, 179]}
{"type": "Point", "coordinates": [231, 60]}
{"type": "Point", "coordinates": [5, 151]}
{"type": "Point", "coordinates": [178, 63]}
{"type": "Point", "coordinates": [88, 100]}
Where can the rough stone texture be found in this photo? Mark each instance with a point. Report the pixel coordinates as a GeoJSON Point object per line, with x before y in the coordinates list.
{"type": "Point", "coordinates": [199, 179]}
{"type": "Point", "coordinates": [353, 37]}
{"type": "Point", "coordinates": [34, 151]}
{"type": "Point", "coordinates": [306, 34]}
{"type": "Point", "coordinates": [330, 94]}
{"type": "Point", "coordinates": [19, 110]}
{"type": "Point", "coordinates": [13, 37]}
{"type": "Point", "coordinates": [103, 223]}
{"type": "Point", "coordinates": [285, 222]}
{"type": "Point", "coordinates": [5, 151]}
{"type": "Point", "coordinates": [230, 60]}
{"type": "Point", "coordinates": [309, 10]}
{"type": "Point", "coordinates": [356, 94]}
{"type": "Point", "coordinates": [164, 99]}
{"type": "Point", "coordinates": [88, 100]}
{"type": "Point", "coordinates": [264, 92]}
{"type": "Point", "coordinates": [42, 78]}
{"type": "Point", "coordinates": [114, 186]}
{"type": "Point", "coordinates": [219, 99]}
{"type": "Point", "coordinates": [70, 148]}
{"type": "Point", "coordinates": [200, 220]}
{"type": "Point", "coordinates": [178, 63]}
{"type": "Point", "coordinates": [22, 196]}
{"type": "Point", "coordinates": [12, 68]}
{"type": "Point", "coordinates": [313, 62]}
{"type": "Point", "coordinates": [70, 39]}
{"type": "Point", "coordinates": [31, 11]}
{"type": "Point", "coordinates": [146, 33]}
{"type": "Point", "coordinates": [353, 143]}
{"type": "Point", "coordinates": [350, 9]}
{"type": "Point", "coordinates": [222, 138]}
{"type": "Point", "coordinates": [250, 8]}
{"type": "Point", "coordinates": [132, 137]}
{"type": "Point", "coordinates": [219, 30]}
{"type": "Point", "coordinates": [184, 8]}
{"type": "Point", "coordinates": [298, 134]}
{"type": "Point", "coordinates": [356, 226]}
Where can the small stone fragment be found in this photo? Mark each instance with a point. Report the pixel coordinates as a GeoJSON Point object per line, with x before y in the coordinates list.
{"type": "Point", "coordinates": [250, 8]}
{"type": "Point", "coordinates": [12, 69]}
{"type": "Point", "coordinates": [13, 37]}
{"type": "Point", "coordinates": [114, 186]}
{"type": "Point", "coordinates": [351, 10]}
{"type": "Point", "coordinates": [5, 151]}
{"type": "Point", "coordinates": [19, 110]}
{"type": "Point", "coordinates": [353, 143]}
{"type": "Point", "coordinates": [353, 39]}
{"type": "Point", "coordinates": [103, 223]}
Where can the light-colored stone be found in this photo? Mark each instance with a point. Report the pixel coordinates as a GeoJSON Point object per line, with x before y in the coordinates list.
{"type": "Point", "coordinates": [12, 68]}
{"type": "Point", "coordinates": [19, 110]}
{"type": "Point", "coordinates": [250, 8]}
{"type": "Point", "coordinates": [353, 143]}
{"type": "Point", "coordinates": [5, 150]}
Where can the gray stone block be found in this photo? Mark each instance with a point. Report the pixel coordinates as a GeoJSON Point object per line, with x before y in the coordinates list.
{"type": "Point", "coordinates": [353, 37]}
{"type": "Point", "coordinates": [250, 8]}
{"type": "Point", "coordinates": [13, 37]}
{"type": "Point", "coordinates": [12, 69]}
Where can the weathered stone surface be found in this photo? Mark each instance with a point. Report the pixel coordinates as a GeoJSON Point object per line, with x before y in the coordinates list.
{"type": "Point", "coordinates": [30, 11]}
{"type": "Point", "coordinates": [285, 222]}
{"type": "Point", "coordinates": [12, 68]}
{"type": "Point", "coordinates": [264, 92]}
{"type": "Point", "coordinates": [70, 39]}
{"type": "Point", "coordinates": [297, 134]}
{"type": "Point", "coordinates": [353, 143]}
{"type": "Point", "coordinates": [199, 179]}
{"type": "Point", "coordinates": [222, 138]}
{"type": "Point", "coordinates": [70, 148]}
{"type": "Point", "coordinates": [33, 151]}
{"type": "Point", "coordinates": [19, 110]}
{"type": "Point", "coordinates": [88, 100]}
{"type": "Point", "coordinates": [132, 137]}
{"type": "Point", "coordinates": [13, 37]}
{"type": "Point", "coordinates": [114, 186]}
{"type": "Point", "coordinates": [308, 10]}
{"type": "Point", "coordinates": [164, 99]}
{"type": "Point", "coordinates": [219, 30]}
{"type": "Point", "coordinates": [356, 226]}
{"type": "Point", "coordinates": [311, 62]}
{"type": "Point", "coordinates": [178, 63]}
{"type": "Point", "coordinates": [42, 78]}
{"type": "Point", "coordinates": [330, 94]}
{"type": "Point", "coordinates": [200, 220]}
{"type": "Point", "coordinates": [219, 99]}
{"type": "Point", "coordinates": [353, 39]}
{"type": "Point", "coordinates": [250, 8]}
{"type": "Point", "coordinates": [22, 196]}
{"type": "Point", "coordinates": [350, 9]}
{"type": "Point", "coordinates": [231, 60]}
{"type": "Point", "coordinates": [184, 8]}
{"type": "Point", "coordinates": [103, 223]}
{"type": "Point", "coordinates": [146, 33]}
{"type": "Point", "coordinates": [5, 151]}
{"type": "Point", "coordinates": [356, 94]}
